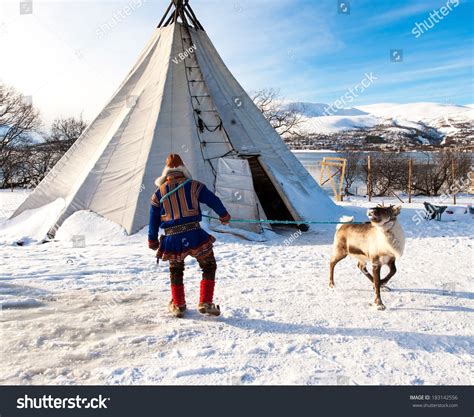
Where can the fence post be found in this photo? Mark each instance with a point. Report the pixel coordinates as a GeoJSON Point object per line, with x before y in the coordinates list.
{"type": "Point", "coordinates": [410, 179]}
{"type": "Point", "coordinates": [453, 173]}
{"type": "Point", "coordinates": [369, 177]}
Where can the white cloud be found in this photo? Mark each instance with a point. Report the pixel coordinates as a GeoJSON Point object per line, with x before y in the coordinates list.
{"type": "Point", "coordinates": [397, 13]}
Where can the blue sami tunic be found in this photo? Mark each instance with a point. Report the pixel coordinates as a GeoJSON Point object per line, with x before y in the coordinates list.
{"type": "Point", "coordinates": [180, 208]}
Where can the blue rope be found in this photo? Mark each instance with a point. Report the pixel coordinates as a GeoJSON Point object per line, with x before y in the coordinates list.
{"type": "Point", "coordinates": [280, 221]}
{"type": "Point", "coordinates": [173, 191]}
{"type": "Point", "coordinates": [255, 221]}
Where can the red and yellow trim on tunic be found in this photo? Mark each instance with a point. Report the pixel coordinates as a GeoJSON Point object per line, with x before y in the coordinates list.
{"type": "Point", "coordinates": [176, 205]}
{"type": "Point", "coordinates": [170, 204]}
{"type": "Point", "coordinates": [201, 251]}
{"type": "Point", "coordinates": [168, 214]}
{"type": "Point", "coordinates": [196, 188]}
{"type": "Point", "coordinates": [154, 201]}
{"type": "Point", "coordinates": [188, 211]}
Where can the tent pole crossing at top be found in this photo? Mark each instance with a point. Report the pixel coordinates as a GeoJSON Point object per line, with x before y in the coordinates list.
{"type": "Point", "coordinates": [181, 10]}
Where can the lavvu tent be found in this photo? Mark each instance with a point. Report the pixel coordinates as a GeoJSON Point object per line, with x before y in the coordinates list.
{"type": "Point", "coordinates": [180, 98]}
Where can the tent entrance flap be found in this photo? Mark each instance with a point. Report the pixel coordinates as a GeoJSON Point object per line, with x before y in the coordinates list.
{"type": "Point", "coordinates": [273, 205]}
{"type": "Point", "coordinates": [234, 186]}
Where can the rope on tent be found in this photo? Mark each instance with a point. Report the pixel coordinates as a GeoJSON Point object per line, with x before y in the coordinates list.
{"type": "Point", "coordinates": [202, 125]}
{"type": "Point", "coordinates": [192, 98]}
{"type": "Point", "coordinates": [232, 152]}
{"type": "Point", "coordinates": [281, 221]}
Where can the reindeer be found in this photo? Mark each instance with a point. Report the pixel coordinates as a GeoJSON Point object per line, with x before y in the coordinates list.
{"type": "Point", "coordinates": [379, 242]}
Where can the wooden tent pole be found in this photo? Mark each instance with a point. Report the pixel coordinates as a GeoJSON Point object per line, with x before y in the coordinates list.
{"type": "Point", "coordinates": [178, 4]}
{"type": "Point", "coordinates": [183, 10]}
{"type": "Point", "coordinates": [190, 9]}
{"type": "Point", "coordinates": [166, 14]}
{"type": "Point", "coordinates": [186, 12]}
{"type": "Point", "coordinates": [183, 17]}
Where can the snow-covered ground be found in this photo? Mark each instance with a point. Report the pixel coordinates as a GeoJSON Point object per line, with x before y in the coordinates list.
{"type": "Point", "coordinates": [96, 314]}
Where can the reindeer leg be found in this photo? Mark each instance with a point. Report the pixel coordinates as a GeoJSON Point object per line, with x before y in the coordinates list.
{"type": "Point", "coordinates": [376, 274]}
{"type": "Point", "coordinates": [391, 273]}
{"type": "Point", "coordinates": [334, 261]}
{"type": "Point", "coordinates": [363, 268]}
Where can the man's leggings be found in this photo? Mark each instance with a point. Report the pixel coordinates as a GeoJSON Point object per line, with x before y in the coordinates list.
{"type": "Point", "coordinates": [208, 266]}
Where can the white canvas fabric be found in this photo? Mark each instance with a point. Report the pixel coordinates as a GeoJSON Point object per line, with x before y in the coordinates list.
{"type": "Point", "coordinates": [178, 85]}
{"type": "Point", "coordinates": [234, 186]}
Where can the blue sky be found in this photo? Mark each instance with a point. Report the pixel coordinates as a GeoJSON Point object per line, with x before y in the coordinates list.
{"type": "Point", "coordinates": [305, 48]}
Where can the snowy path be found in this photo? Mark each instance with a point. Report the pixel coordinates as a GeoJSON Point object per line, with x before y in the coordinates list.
{"type": "Point", "coordinates": [97, 314]}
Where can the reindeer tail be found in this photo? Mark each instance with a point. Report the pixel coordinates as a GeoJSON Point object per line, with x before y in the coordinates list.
{"type": "Point", "coordinates": [344, 220]}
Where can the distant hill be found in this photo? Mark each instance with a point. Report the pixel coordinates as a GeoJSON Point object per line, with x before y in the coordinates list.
{"type": "Point", "coordinates": [397, 125]}
{"type": "Point", "coordinates": [320, 109]}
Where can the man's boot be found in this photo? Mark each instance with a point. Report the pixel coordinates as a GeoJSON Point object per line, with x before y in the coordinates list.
{"type": "Point", "coordinates": [177, 305]}
{"type": "Point", "coordinates": [176, 311]}
{"type": "Point", "coordinates": [206, 306]}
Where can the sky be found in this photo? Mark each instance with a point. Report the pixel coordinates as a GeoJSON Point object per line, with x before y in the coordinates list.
{"type": "Point", "coordinates": [70, 56]}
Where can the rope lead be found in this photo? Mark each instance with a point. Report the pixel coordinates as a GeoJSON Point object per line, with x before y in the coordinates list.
{"type": "Point", "coordinates": [281, 221]}
{"type": "Point", "coordinates": [256, 221]}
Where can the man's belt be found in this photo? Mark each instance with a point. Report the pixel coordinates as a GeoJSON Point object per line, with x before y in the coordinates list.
{"type": "Point", "coordinates": [182, 228]}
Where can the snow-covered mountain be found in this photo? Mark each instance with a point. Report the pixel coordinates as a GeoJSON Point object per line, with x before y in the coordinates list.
{"type": "Point", "coordinates": [320, 109]}
{"type": "Point", "coordinates": [391, 124]}
{"type": "Point", "coordinates": [415, 111]}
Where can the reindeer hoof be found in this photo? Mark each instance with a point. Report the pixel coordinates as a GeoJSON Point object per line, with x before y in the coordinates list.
{"type": "Point", "coordinates": [379, 307]}
{"type": "Point", "coordinates": [331, 285]}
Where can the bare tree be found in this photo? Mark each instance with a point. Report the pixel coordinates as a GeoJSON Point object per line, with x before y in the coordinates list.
{"type": "Point", "coordinates": [440, 172]}
{"type": "Point", "coordinates": [13, 170]}
{"type": "Point", "coordinates": [18, 120]}
{"type": "Point", "coordinates": [43, 156]}
{"type": "Point", "coordinates": [353, 169]}
{"type": "Point", "coordinates": [28, 162]}
{"type": "Point", "coordinates": [65, 131]}
{"type": "Point", "coordinates": [285, 120]}
{"type": "Point", "coordinates": [436, 174]}
{"type": "Point", "coordinates": [389, 173]}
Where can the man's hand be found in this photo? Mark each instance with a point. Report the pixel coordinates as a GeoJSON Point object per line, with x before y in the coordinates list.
{"type": "Point", "coordinates": [225, 220]}
{"type": "Point", "coordinates": [153, 244]}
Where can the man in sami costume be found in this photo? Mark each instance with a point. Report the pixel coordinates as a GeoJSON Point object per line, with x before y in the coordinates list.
{"type": "Point", "coordinates": [175, 207]}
